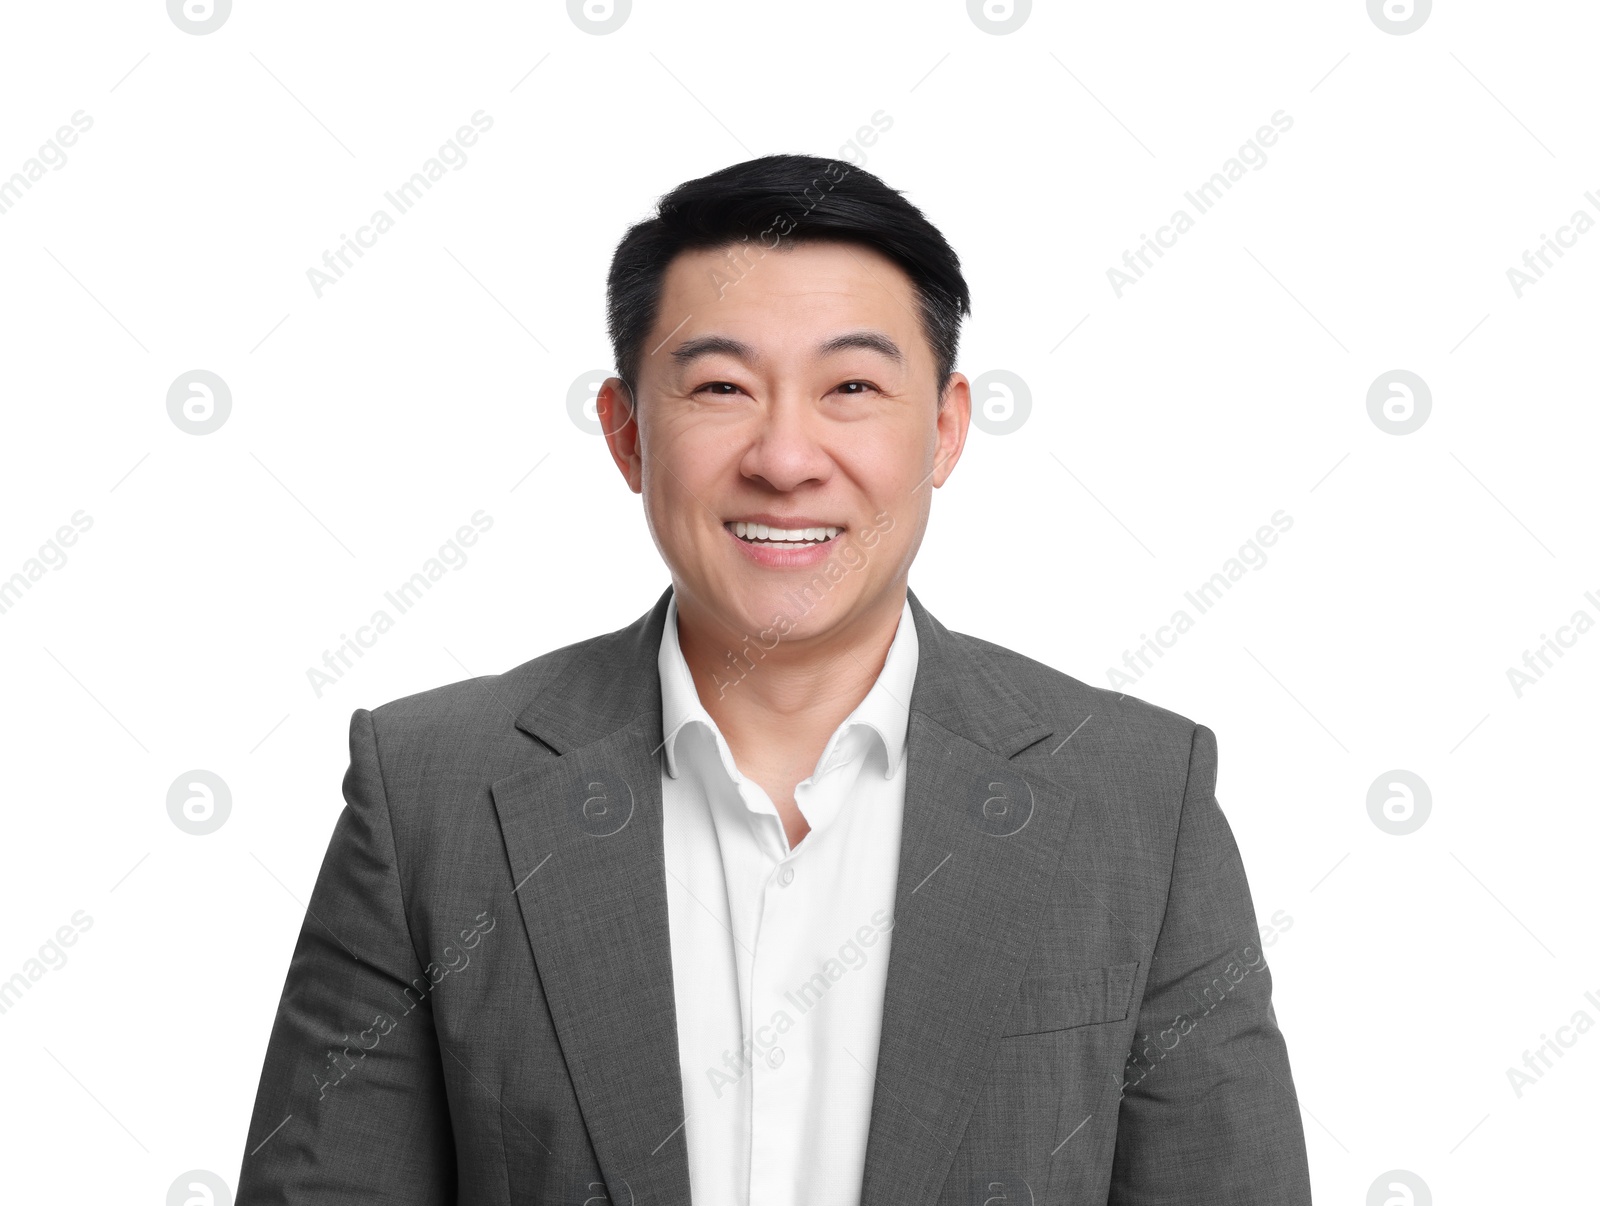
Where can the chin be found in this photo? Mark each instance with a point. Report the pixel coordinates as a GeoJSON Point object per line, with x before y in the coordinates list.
{"type": "Point", "coordinates": [786, 607]}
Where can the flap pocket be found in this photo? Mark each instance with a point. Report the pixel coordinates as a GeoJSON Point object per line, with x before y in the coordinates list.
{"type": "Point", "coordinates": [1061, 1000]}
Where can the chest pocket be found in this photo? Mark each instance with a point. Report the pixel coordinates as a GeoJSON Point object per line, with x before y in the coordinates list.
{"type": "Point", "coordinates": [1062, 1000]}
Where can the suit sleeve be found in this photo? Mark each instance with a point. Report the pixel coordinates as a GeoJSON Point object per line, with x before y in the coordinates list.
{"type": "Point", "coordinates": [1208, 1113]}
{"type": "Point", "coordinates": [351, 1106]}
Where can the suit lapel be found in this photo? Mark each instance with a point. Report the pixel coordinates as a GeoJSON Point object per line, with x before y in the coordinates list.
{"type": "Point", "coordinates": [979, 849]}
{"type": "Point", "coordinates": [583, 834]}
{"type": "Point", "coordinates": [583, 831]}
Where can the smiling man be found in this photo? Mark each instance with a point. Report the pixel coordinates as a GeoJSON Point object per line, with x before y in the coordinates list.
{"type": "Point", "coordinates": [805, 898]}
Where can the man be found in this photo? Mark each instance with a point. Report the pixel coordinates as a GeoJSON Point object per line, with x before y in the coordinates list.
{"type": "Point", "coordinates": [783, 893]}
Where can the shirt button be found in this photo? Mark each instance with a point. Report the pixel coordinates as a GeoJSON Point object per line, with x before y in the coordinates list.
{"type": "Point", "coordinates": [786, 876]}
{"type": "Point", "coordinates": [775, 1057]}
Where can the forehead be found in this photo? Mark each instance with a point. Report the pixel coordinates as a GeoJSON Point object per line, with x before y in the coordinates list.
{"type": "Point", "coordinates": [796, 292]}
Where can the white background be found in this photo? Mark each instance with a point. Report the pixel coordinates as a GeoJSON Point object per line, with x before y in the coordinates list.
{"type": "Point", "coordinates": [431, 382]}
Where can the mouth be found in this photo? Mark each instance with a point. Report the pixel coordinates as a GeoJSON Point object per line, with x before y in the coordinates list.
{"type": "Point", "coordinates": [800, 536]}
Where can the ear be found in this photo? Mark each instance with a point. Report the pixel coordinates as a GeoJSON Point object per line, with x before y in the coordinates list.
{"type": "Point", "coordinates": [613, 405]}
{"type": "Point", "coordinates": [955, 414]}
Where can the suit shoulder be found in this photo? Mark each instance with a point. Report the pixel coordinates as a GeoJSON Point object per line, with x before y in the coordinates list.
{"type": "Point", "coordinates": [488, 703]}
{"type": "Point", "coordinates": [1133, 757]}
{"type": "Point", "coordinates": [1065, 700]}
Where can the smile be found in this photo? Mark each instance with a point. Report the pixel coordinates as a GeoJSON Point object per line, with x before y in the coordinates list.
{"type": "Point", "coordinates": [782, 538]}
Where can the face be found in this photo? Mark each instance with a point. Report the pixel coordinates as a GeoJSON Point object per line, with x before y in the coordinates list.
{"type": "Point", "coordinates": [787, 439]}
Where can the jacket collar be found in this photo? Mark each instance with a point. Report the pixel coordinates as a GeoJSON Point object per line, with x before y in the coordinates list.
{"type": "Point", "coordinates": [611, 682]}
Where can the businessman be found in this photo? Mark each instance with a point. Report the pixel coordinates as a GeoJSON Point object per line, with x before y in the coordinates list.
{"type": "Point", "coordinates": [784, 893]}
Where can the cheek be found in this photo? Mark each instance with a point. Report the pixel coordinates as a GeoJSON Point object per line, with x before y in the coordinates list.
{"type": "Point", "coordinates": [889, 466]}
{"type": "Point", "coordinates": [684, 474]}
{"type": "Point", "coordinates": [696, 450]}
{"type": "Point", "coordinates": [667, 501]}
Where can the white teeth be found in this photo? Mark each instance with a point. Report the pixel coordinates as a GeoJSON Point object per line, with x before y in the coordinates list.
{"type": "Point", "coordinates": [784, 537]}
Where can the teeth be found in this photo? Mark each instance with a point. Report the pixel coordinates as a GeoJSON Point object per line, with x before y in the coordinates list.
{"type": "Point", "coordinates": [783, 536]}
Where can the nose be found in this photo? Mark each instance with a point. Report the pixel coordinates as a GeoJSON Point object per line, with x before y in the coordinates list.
{"type": "Point", "coordinates": [787, 450]}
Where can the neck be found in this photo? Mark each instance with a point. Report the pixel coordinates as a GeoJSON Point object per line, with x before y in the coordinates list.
{"type": "Point", "coordinates": [795, 693]}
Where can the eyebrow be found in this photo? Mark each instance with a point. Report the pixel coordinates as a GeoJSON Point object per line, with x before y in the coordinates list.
{"type": "Point", "coordinates": [710, 345]}
{"type": "Point", "coordinates": [870, 341]}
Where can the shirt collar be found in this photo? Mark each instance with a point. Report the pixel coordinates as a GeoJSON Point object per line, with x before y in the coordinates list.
{"type": "Point", "coordinates": [883, 712]}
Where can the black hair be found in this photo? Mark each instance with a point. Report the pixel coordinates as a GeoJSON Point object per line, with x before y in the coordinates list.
{"type": "Point", "coordinates": [769, 202]}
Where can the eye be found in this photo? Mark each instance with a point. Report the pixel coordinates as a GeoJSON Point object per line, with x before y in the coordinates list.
{"type": "Point", "coordinates": [720, 389]}
{"type": "Point", "coordinates": [856, 389]}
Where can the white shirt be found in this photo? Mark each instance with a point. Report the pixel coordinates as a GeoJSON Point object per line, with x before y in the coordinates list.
{"type": "Point", "coordinates": [779, 956]}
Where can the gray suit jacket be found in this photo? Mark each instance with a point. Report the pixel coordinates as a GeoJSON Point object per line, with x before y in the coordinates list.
{"type": "Point", "coordinates": [480, 1005]}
